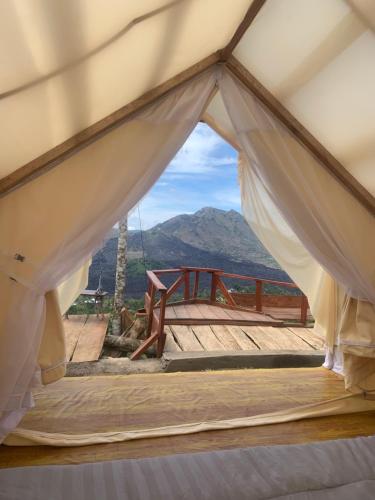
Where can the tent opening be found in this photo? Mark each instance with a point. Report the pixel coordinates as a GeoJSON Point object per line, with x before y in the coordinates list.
{"type": "Point", "coordinates": [266, 152]}
{"type": "Point", "coordinates": [191, 218]}
{"type": "Point", "coordinates": [295, 196]}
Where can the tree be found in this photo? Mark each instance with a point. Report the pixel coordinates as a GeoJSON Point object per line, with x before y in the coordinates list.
{"type": "Point", "coordinates": [120, 276]}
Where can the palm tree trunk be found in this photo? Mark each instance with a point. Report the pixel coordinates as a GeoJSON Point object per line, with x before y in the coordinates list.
{"type": "Point", "coordinates": [120, 276]}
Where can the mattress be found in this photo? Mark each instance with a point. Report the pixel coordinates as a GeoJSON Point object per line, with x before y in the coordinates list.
{"type": "Point", "coordinates": [341, 469]}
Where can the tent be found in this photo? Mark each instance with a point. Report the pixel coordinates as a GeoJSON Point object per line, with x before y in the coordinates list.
{"type": "Point", "coordinates": [97, 97]}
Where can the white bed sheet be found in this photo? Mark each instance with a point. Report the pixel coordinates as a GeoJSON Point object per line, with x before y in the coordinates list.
{"type": "Point", "coordinates": [342, 469]}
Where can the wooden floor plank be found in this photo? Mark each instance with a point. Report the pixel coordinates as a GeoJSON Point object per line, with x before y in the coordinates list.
{"type": "Point", "coordinates": [207, 311]}
{"type": "Point", "coordinates": [299, 343]}
{"type": "Point", "coordinates": [206, 314]}
{"type": "Point", "coordinates": [170, 343]}
{"type": "Point", "coordinates": [236, 314]}
{"type": "Point", "coordinates": [232, 313]}
{"type": "Point", "coordinates": [309, 336]}
{"type": "Point", "coordinates": [241, 338]}
{"type": "Point", "coordinates": [73, 327]}
{"type": "Point", "coordinates": [301, 432]}
{"type": "Point", "coordinates": [220, 312]}
{"type": "Point", "coordinates": [169, 313]}
{"type": "Point", "coordinates": [274, 339]}
{"type": "Point", "coordinates": [176, 311]}
{"type": "Point", "coordinates": [309, 330]}
{"type": "Point", "coordinates": [225, 337]}
{"type": "Point", "coordinates": [253, 316]}
{"type": "Point", "coordinates": [207, 338]}
{"type": "Point", "coordinates": [90, 342]}
{"type": "Point", "coordinates": [264, 340]}
{"type": "Point", "coordinates": [194, 311]}
{"type": "Point", "coordinates": [186, 311]}
{"type": "Point", "coordinates": [181, 312]}
{"type": "Point", "coordinates": [293, 313]}
{"type": "Point", "coordinates": [185, 338]}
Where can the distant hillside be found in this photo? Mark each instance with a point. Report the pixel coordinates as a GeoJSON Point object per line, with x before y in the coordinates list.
{"type": "Point", "coordinates": [208, 238]}
{"type": "Point", "coordinates": [213, 230]}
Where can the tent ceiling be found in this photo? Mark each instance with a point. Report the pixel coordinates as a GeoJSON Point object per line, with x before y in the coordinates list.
{"type": "Point", "coordinates": [118, 61]}
{"type": "Point", "coordinates": [326, 80]}
{"type": "Point", "coordinates": [73, 63]}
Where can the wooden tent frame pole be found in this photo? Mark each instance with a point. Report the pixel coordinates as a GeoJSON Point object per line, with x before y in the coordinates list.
{"type": "Point", "coordinates": [326, 159]}
{"type": "Point", "coordinates": [250, 15]}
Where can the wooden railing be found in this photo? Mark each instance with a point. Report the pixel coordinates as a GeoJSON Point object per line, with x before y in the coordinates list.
{"type": "Point", "coordinates": [155, 324]}
{"type": "Point", "coordinates": [259, 287]}
{"type": "Point", "coordinates": [157, 295]}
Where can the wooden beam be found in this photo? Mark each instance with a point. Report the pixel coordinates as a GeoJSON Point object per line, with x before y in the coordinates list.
{"type": "Point", "coordinates": [196, 285]}
{"type": "Point", "coordinates": [327, 160]}
{"type": "Point", "coordinates": [263, 320]}
{"type": "Point", "coordinates": [258, 295]}
{"type": "Point", "coordinates": [144, 346]}
{"type": "Point", "coordinates": [304, 308]}
{"type": "Point", "coordinates": [156, 283]}
{"type": "Point", "coordinates": [162, 335]}
{"type": "Point", "coordinates": [58, 154]}
{"type": "Point", "coordinates": [251, 14]}
{"type": "Point", "coordinates": [224, 291]}
{"type": "Point", "coordinates": [171, 290]}
{"type": "Point", "coordinates": [213, 287]}
{"type": "Point", "coordinates": [187, 285]}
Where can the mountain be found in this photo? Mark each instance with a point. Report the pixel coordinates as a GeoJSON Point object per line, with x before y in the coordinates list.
{"type": "Point", "coordinates": [207, 238]}
{"type": "Point", "coordinates": [223, 233]}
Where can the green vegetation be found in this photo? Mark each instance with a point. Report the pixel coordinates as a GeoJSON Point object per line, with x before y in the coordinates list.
{"type": "Point", "coordinates": [136, 267]}
{"type": "Point", "coordinates": [134, 304]}
{"type": "Point", "coordinates": [268, 289]}
{"type": "Point", "coordinates": [86, 305]}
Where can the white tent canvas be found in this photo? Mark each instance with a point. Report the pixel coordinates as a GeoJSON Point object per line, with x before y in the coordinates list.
{"type": "Point", "coordinates": [96, 94]}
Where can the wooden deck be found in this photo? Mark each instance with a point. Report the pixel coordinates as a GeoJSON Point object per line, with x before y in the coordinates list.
{"type": "Point", "coordinates": [219, 309]}
{"type": "Point", "coordinates": [193, 338]}
{"type": "Point", "coordinates": [84, 336]}
{"type": "Point", "coordinates": [206, 314]}
{"type": "Point", "coordinates": [286, 313]}
{"type": "Point", "coordinates": [206, 327]}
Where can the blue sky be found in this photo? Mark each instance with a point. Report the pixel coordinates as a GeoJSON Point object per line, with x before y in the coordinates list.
{"type": "Point", "coordinates": [202, 174]}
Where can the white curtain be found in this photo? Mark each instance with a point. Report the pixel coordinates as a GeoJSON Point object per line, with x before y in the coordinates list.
{"type": "Point", "coordinates": [71, 288]}
{"type": "Point", "coordinates": [50, 227]}
{"type": "Point", "coordinates": [269, 225]}
{"type": "Point", "coordinates": [329, 222]}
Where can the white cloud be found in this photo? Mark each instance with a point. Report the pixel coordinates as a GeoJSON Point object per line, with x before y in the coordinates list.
{"type": "Point", "coordinates": [177, 192]}
{"type": "Point", "coordinates": [227, 197]}
{"type": "Point", "coordinates": [199, 154]}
